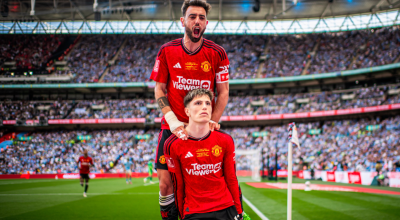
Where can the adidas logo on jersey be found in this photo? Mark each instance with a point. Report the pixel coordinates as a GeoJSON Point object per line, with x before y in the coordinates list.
{"type": "Point", "coordinates": [178, 66]}
{"type": "Point", "coordinates": [189, 155]}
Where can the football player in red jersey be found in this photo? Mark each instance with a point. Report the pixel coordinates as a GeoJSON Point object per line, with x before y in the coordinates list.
{"type": "Point", "coordinates": [203, 167]}
{"type": "Point", "coordinates": [84, 163]}
{"type": "Point", "coordinates": [183, 65]}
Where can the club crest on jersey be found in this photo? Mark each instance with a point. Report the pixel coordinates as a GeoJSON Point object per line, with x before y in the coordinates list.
{"type": "Point", "coordinates": [203, 152]}
{"type": "Point", "coordinates": [162, 159]}
{"type": "Point", "coordinates": [206, 66]}
{"type": "Point", "coordinates": [216, 151]}
{"type": "Point", "coordinates": [191, 66]}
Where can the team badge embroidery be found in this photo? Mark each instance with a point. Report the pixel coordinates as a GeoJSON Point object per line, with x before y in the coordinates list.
{"type": "Point", "coordinates": [216, 150]}
{"type": "Point", "coordinates": [191, 66]}
{"type": "Point", "coordinates": [203, 152]}
{"type": "Point", "coordinates": [162, 159]}
{"type": "Point", "coordinates": [206, 66]}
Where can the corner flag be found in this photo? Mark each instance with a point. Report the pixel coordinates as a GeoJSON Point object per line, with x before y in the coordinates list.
{"type": "Point", "coordinates": [295, 138]}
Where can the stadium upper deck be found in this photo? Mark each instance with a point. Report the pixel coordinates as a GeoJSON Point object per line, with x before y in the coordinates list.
{"type": "Point", "coordinates": [123, 58]}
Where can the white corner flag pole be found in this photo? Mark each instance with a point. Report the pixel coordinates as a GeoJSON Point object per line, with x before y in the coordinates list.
{"type": "Point", "coordinates": [289, 188]}
{"type": "Point", "coordinates": [293, 139]}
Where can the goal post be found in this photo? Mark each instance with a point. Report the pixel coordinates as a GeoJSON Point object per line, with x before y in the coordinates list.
{"type": "Point", "coordinates": [254, 157]}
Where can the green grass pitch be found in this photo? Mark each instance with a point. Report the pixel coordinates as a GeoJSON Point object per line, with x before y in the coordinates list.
{"type": "Point", "coordinates": [113, 199]}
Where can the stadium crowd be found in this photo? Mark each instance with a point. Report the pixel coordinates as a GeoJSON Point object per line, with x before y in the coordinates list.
{"type": "Point", "coordinates": [309, 102]}
{"type": "Point", "coordinates": [237, 105]}
{"type": "Point", "coordinates": [136, 60]}
{"type": "Point", "coordinates": [12, 110]}
{"type": "Point", "coordinates": [28, 51]}
{"type": "Point", "coordinates": [346, 145]}
{"type": "Point", "coordinates": [350, 145]}
{"type": "Point", "coordinates": [123, 108]}
{"type": "Point", "coordinates": [58, 151]}
{"type": "Point", "coordinates": [284, 55]}
{"type": "Point", "coordinates": [89, 59]}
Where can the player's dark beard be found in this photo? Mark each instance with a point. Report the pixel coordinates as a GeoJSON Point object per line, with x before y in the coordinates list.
{"type": "Point", "coordinates": [189, 33]}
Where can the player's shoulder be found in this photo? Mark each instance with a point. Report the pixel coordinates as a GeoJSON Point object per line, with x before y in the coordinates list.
{"type": "Point", "coordinates": [173, 43]}
{"type": "Point", "coordinates": [223, 134]}
{"type": "Point", "coordinates": [215, 47]}
{"type": "Point", "coordinates": [170, 143]}
{"type": "Point", "coordinates": [170, 45]}
{"type": "Point", "coordinates": [212, 43]}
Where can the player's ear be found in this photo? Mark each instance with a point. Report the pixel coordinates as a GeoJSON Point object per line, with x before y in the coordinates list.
{"type": "Point", "coordinates": [207, 22]}
{"type": "Point", "coordinates": [183, 21]}
{"type": "Point", "coordinates": [187, 111]}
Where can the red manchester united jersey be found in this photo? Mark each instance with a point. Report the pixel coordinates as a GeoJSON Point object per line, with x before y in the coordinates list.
{"type": "Point", "coordinates": [85, 164]}
{"type": "Point", "coordinates": [203, 172]}
{"type": "Point", "coordinates": [184, 71]}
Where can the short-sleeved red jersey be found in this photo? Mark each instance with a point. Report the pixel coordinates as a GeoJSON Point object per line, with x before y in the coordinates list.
{"type": "Point", "coordinates": [184, 71]}
{"type": "Point", "coordinates": [85, 164]}
{"type": "Point", "coordinates": [203, 172]}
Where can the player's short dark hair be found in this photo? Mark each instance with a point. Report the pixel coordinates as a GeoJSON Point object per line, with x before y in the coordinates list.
{"type": "Point", "coordinates": [200, 3]}
{"type": "Point", "coordinates": [197, 93]}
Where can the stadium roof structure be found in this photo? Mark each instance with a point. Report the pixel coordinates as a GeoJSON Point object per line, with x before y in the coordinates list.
{"type": "Point", "coordinates": [171, 9]}
{"type": "Point", "coordinates": [227, 17]}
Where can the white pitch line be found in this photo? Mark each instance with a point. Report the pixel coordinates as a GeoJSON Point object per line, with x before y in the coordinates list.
{"type": "Point", "coordinates": [74, 194]}
{"type": "Point", "coordinates": [23, 182]}
{"type": "Point", "coordinates": [262, 216]}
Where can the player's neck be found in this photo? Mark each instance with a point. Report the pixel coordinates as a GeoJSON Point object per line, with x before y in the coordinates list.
{"type": "Point", "coordinates": [190, 45]}
{"type": "Point", "coordinates": [198, 130]}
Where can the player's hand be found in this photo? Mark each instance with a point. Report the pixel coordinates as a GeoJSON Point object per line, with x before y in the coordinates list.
{"type": "Point", "coordinates": [214, 125]}
{"type": "Point", "coordinates": [181, 133]}
{"type": "Point", "coordinates": [239, 217]}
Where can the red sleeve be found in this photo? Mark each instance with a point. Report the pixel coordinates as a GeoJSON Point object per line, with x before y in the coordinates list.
{"type": "Point", "coordinates": [174, 168]}
{"type": "Point", "coordinates": [222, 73]}
{"type": "Point", "coordinates": [230, 174]}
{"type": "Point", "coordinates": [160, 71]}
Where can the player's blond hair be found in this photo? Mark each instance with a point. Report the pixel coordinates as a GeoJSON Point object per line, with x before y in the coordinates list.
{"type": "Point", "coordinates": [197, 93]}
{"type": "Point", "coordinates": [200, 3]}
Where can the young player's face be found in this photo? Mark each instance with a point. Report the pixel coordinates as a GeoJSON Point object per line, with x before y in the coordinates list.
{"type": "Point", "coordinates": [195, 22]}
{"type": "Point", "coordinates": [199, 109]}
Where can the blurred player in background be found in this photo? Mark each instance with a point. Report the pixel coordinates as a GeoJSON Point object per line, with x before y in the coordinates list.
{"type": "Point", "coordinates": [150, 168]}
{"type": "Point", "coordinates": [203, 168]}
{"type": "Point", "coordinates": [84, 163]}
{"type": "Point", "coordinates": [182, 65]}
{"type": "Point", "coordinates": [128, 167]}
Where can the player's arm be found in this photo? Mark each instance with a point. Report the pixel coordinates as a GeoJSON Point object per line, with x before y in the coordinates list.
{"type": "Point", "coordinates": [176, 126]}
{"type": "Point", "coordinates": [91, 162]}
{"type": "Point", "coordinates": [230, 175]}
{"type": "Point", "coordinates": [77, 163]}
{"type": "Point", "coordinates": [222, 100]}
{"type": "Point", "coordinates": [180, 185]}
{"type": "Point", "coordinates": [174, 168]}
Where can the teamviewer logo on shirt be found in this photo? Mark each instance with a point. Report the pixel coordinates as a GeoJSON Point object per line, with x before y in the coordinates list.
{"type": "Point", "coordinates": [190, 84]}
{"type": "Point", "coordinates": [203, 169]}
{"type": "Point", "coordinates": [205, 84]}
